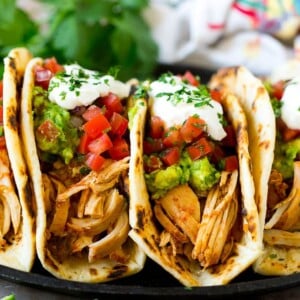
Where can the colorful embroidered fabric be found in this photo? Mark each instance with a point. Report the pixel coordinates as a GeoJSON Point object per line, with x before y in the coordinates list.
{"type": "Point", "coordinates": [259, 34]}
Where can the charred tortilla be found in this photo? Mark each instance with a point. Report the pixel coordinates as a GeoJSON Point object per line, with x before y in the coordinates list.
{"type": "Point", "coordinates": [17, 237]}
{"type": "Point", "coordinates": [71, 244]}
{"type": "Point", "coordinates": [148, 234]}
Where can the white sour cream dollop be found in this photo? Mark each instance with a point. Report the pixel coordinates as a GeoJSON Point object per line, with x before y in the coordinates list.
{"type": "Point", "coordinates": [290, 110]}
{"type": "Point", "coordinates": [174, 101]}
{"type": "Point", "coordinates": [78, 86]}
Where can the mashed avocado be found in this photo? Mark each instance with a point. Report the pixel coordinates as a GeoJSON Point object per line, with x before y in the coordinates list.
{"type": "Point", "coordinates": [200, 174]}
{"type": "Point", "coordinates": [53, 130]}
{"type": "Point", "coordinates": [285, 154]}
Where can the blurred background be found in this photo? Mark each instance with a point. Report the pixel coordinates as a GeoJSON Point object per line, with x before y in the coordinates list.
{"type": "Point", "coordinates": [141, 35]}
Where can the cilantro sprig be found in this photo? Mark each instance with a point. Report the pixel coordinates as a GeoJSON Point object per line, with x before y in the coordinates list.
{"type": "Point", "coordinates": [96, 34]}
{"type": "Point", "coordinates": [198, 96]}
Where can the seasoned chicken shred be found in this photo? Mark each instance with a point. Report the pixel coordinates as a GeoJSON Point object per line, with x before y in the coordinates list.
{"type": "Point", "coordinates": [202, 236]}
{"type": "Point", "coordinates": [90, 215]}
{"type": "Point", "coordinates": [10, 208]}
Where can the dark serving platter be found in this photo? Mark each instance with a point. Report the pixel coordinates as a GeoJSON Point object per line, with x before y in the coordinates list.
{"type": "Point", "coordinates": [153, 281]}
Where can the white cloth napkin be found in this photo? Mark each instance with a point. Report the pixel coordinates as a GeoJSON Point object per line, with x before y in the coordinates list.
{"type": "Point", "coordinates": [211, 34]}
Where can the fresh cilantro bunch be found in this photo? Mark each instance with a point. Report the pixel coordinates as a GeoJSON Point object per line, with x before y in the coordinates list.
{"type": "Point", "coordinates": [97, 34]}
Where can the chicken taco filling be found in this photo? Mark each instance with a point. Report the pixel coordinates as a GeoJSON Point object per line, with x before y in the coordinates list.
{"type": "Point", "coordinates": [81, 133]}
{"type": "Point", "coordinates": [10, 208]}
{"type": "Point", "coordinates": [283, 204]}
{"type": "Point", "coordinates": [191, 169]}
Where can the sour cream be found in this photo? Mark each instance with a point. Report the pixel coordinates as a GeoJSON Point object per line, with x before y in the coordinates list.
{"type": "Point", "coordinates": [78, 86]}
{"type": "Point", "coordinates": [290, 110]}
{"type": "Point", "coordinates": [174, 101]}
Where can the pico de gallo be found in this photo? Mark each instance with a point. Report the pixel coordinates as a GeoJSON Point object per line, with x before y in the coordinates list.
{"type": "Point", "coordinates": [285, 101]}
{"type": "Point", "coordinates": [80, 118]}
{"type": "Point", "coordinates": [187, 139]}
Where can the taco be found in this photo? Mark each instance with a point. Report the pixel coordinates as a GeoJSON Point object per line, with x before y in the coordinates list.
{"type": "Point", "coordinates": [17, 238]}
{"type": "Point", "coordinates": [278, 115]}
{"type": "Point", "coordinates": [76, 143]}
{"type": "Point", "coordinates": [192, 206]}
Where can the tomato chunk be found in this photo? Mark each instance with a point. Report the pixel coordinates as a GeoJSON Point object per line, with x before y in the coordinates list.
{"type": "Point", "coordinates": [112, 104]}
{"type": "Point", "coordinates": [52, 65]}
{"type": "Point", "coordinates": [96, 126]}
{"type": "Point", "coordinates": [100, 144]}
{"type": "Point", "coordinates": [190, 78]}
{"type": "Point", "coordinates": [48, 130]}
{"type": "Point", "coordinates": [83, 144]}
{"type": "Point", "coordinates": [152, 145]}
{"type": "Point", "coordinates": [231, 163]}
{"type": "Point", "coordinates": [170, 156]}
{"type": "Point", "coordinates": [192, 128]}
{"type": "Point", "coordinates": [200, 148]}
{"type": "Point", "coordinates": [119, 150]}
{"type": "Point", "coordinates": [119, 124]}
{"type": "Point", "coordinates": [172, 137]}
{"type": "Point", "coordinates": [216, 95]}
{"type": "Point", "coordinates": [94, 161]}
{"type": "Point", "coordinates": [2, 142]}
{"type": "Point", "coordinates": [92, 112]}
{"type": "Point", "coordinates": [42, 77]}
{"type": "Point", "coordinates": [156, 127]}
{"type": "Point", "coordinates": [152, 163]}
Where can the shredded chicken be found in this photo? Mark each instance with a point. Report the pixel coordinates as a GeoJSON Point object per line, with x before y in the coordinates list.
{"type": "Point", "coordinates": [181, 207]}
{"type": "Point", "coordinates": [10, 216]}
{"type": "Point", "coordinates": [218, 218]}
{"type": "Point", "coordinates": [287, 212]}
{"type": "Point", "coordinates": [90, 214]}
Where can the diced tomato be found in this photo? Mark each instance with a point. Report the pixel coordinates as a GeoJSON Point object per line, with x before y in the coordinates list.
{"type": "Point", "coordinates": [119, 124]}
{"type": "Point", "coordinates": [289, 134]}
{"type": "Point", "coordinates": [277, 89]}
{"type": "Point", "coordinates": [94, 161]}
{"type": "Point", "coordinates": [2, 142]}
{"type": "Point", "coordinates": [152, 163]}
{"type": "Point", "coordinates": [96, 126]}
{"type": "Point", "coordinates": [200, 148]}
{"type": "Point", "coordinates": [216, 95]}
{"type": "Point", "coordinates": [230, 139]}
{"type": "Point", "coordinates": [231, 163]}
{"type": "Point", "coordinates": [152, 145]}
{"type": "Point", "coordinates": [170, 156]}
{"type": "Point", "coordinates": [112, 104]}
{"type": "Point", "coordinates": [48, 130]}
{"type": "Point", "coordinates": [91, 112]}
{"type": "Point", "coordinates": [156, 127]}
{"type": "Point", "coordinates": [1, 89]}
{"type": "Point", "coordinates": [172, 138]}
{"type": "Point", "coordinates": [84, 142]}
{"type": "Point", "coordinates": [190, 78]}
{"type": "Point", "coordinates": [192, 128]}
{"type": "Point", "coordinates": [119, 150]}
{"type": "Point", "coordinates": [100, 144]}
{"type": "Point", "coordinates": [42, 77]}
{"type": "Point", "coordinates": [52, 65]}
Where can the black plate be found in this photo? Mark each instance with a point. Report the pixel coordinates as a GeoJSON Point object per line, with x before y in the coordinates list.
{"type": "Point", "coordinates": [153, 281]}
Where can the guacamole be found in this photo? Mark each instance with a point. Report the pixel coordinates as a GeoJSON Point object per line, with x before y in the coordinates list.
{"type": "Point", "coordinates": [54, 132]}
{"type": "Point", "coordinates": [285, 155]}
{"type": "Point", "coordinates": [200, 174]}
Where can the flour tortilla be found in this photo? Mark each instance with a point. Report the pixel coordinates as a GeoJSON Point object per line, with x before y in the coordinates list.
{"type": "Point", "coordinates": [262, 132]}
{"type": "Point", "coordinates": [146, 233]}
{"type": "Point", "coordinates": [20, 253]}
{"type": "Point", "coordinates": [73, 268]}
